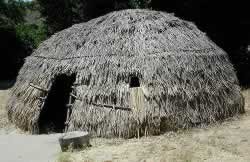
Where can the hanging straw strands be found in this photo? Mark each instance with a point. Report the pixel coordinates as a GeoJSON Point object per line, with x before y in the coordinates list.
{"type": "Point", "coordinates": [188, 79]}
{"type": "Point", "coordinates": [104, 105]}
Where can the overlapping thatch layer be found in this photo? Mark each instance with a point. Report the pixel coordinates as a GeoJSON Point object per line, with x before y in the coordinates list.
{"type": "Point", "coordinates": [186, 79]}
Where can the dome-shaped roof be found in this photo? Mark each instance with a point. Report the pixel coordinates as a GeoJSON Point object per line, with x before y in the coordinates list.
{"type": "Point", "coordinates": [183, 79]}
{"type": "Point", "coordinates": [128, 33]}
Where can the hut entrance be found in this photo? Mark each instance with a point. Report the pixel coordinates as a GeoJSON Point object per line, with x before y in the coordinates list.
{"type": "Point", "coordinates": [54, 112]}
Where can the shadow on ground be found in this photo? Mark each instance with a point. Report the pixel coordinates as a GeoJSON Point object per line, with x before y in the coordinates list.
{"type": "Point", "coordinates": [6, 84]}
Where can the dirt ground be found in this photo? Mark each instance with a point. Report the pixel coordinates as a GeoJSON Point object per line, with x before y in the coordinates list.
{"type": "Point", "coordinates": [225, 142]}
{"type": "Point", "coordinates": [3, 99]}
{"type": "Point", "coordinates": [5, 125]}
{"type": "Point", "coordinates": [18, 146]}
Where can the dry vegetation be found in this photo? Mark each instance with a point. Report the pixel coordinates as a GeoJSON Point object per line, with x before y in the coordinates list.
{"type": "Point", "coordinates": [65, 157]}
{"type": "Point", "coordinates": [3, 116]}
{"type": "Point", "coordinates": [228, 141]}
{"type": "Point", "coordinates": [5, 126]}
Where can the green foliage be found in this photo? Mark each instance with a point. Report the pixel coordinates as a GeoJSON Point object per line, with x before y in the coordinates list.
{"type": "Point", "coordinates": [13, 16]}
{"type": "Point", "coordinates": [58, 14]}
{"type": "Point", "coordinates": [21, 31]}
{"type": "Point", "coordinates": [31, 34]}
{"type": "Point", "coordinates": [11, 12]}
{"type": "Point", "coordinates": [64, 13]}
{"type": "Point", "coordinates": [139, 3]}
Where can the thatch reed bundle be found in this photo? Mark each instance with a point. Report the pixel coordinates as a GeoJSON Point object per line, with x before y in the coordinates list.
{"type": "Point", "coordinates": [185, 79]}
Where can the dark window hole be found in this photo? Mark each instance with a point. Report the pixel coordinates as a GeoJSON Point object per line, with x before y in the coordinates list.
{"type": "Point", "coordinates": [134, 82]}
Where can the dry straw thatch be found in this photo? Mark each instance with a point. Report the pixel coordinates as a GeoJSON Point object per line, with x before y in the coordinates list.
{"type": "Point", "coordinates": [185, 78]}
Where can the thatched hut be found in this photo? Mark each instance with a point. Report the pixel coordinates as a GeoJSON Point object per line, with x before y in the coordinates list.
{"type": "Point", "coordinates": [126, 73]}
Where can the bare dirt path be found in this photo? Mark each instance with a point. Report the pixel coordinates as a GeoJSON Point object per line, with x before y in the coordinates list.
{"type": "Point", "coordinates": [16, 146]}
{"type": "Point", "coordinates": [28, 148]}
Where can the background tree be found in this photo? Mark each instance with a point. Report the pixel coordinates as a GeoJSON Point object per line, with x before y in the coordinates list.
{"type": "Point", "coordinates": [226, 22]}
{"type": "Point", "coordinates": [57, 14]}
{"type": "Point", "coordinates": [11, 12]}
{"type": "Point", "coordinates": [64, 13]}
{"type": "Point", "coordinates": [19, 36]}
{"type": "Point", "coordinates": [139, 3]}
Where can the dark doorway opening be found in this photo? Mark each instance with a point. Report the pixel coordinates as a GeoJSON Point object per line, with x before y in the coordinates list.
{"type": "Point", "coordinates": [54, 112]}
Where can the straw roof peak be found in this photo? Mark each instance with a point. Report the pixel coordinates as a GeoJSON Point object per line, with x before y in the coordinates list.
{"type": "Point", "coordinates": [128, 32]}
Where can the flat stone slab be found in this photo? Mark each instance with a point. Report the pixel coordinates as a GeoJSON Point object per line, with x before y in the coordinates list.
{"type": "Point", "coordinates": [74, 140]}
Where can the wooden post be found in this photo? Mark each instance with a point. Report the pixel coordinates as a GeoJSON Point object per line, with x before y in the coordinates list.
{"type": "Point", "coordinates": [69, 106]}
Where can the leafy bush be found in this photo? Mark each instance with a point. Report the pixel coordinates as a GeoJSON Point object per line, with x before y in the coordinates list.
{"type": "Point", "coordinates": [139, 3]}
{"type": "Point", "coordinates": [31, 34]}
{"type": "Point", "coordinates": [12, 53]}
{"type": "Point", "coordinates": [18, 36]}
{"type": "Point", "coordinates": [11, 12]}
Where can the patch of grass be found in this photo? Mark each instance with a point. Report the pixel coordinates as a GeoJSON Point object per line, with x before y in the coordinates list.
{"type": "Point", "coordinates": [3, 114]}
{"type": "Point", "coordinates": [65, 157]}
